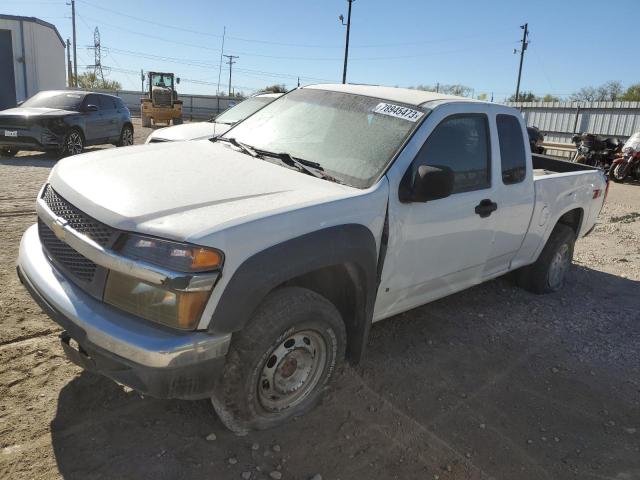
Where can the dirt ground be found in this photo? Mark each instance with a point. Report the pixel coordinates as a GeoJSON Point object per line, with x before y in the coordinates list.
{"type": "Point", "coordinates": [493, 382]}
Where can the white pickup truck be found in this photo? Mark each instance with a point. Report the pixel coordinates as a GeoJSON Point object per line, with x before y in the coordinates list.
{"type": "Point", "coordinates": [244, 269]}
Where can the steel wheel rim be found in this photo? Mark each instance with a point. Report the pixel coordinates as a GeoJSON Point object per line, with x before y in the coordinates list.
{"type": "Point", "coordinates": [559, 266]}
{"type": "Point", "coordinates": [292, 371]}
{"type": "Point", "coordinates": [74, 143]}
{"type": "Point", "coordinates": [127, 137]}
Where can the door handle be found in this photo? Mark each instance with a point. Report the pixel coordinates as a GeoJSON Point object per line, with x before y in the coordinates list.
{"type": "Point", "coordinates": [486, 207]}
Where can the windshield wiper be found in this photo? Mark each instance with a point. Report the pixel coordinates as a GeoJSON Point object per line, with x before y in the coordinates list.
{"type": "Point", "coordinates": [242, 146]}
{"type": "Point", "coordinates": [305, 166]}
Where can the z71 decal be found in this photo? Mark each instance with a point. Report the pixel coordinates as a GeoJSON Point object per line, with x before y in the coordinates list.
{"type": "Point", "coordinates": [398, 112]}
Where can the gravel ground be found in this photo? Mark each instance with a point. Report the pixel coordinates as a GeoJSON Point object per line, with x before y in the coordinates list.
{"type": "Point", "coordinates": [493, 382]}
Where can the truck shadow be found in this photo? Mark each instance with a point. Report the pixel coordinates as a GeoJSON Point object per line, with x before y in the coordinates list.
{"type": "Point", "coordinates": [484, 371]}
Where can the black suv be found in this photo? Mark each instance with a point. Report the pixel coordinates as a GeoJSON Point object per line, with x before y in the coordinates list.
{"type": "Point", "coordinates": [65, 122]}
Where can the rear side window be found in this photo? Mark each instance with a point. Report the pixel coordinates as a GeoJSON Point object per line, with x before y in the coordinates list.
{"type": "Point", "coordinates": [512, 152]}
{"type": "Point", "coordinates": [107, 103]}
{"type": "Point", "coordinates": [461, 142]}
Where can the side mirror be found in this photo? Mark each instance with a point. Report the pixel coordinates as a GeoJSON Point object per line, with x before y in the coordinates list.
{"type": "Point", "coordinates": [428, 183]}
{"type": "Point", "coordinates": [91, 108]}
{"type": "Point", "coordinates": [178, 80]}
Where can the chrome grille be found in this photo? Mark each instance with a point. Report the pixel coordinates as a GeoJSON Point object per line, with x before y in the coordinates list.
{"type": "Point", "coordinates": [76, 264]}
{"type": "Point", "coordinates": [79, 221]}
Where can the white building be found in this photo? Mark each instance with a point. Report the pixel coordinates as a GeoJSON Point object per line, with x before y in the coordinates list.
{"type": "Point", "coordinates": [32, 58]}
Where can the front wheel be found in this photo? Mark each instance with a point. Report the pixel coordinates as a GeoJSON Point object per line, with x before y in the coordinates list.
{"type": "Point", "coordinates": [549, 272]}
{"type": "Point", "coordinates": [279, 364]}
{"type": "Point", "coordinates": [73, 143]}
{"type": "Point", "coordinates": [617, 173]}
{"type": "Point", "coordinates": [126, 136]}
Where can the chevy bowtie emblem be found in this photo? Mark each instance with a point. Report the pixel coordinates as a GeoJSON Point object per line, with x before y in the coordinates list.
{"type": "Point", "coordinates": [58, 228]}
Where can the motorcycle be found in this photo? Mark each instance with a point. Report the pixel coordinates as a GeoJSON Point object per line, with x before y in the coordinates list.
{"type": "Point", "coordinates": [627, 165]}
{"type": "Point", "coordinates": [595, 151]}
{"type": "Point", "coordinates": [536, 140]}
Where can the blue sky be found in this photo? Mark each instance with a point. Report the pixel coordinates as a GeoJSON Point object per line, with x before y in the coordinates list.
{"type": "Point", "coordinates": [402, 43]}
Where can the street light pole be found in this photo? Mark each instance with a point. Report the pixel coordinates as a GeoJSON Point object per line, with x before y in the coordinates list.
{"type": "Point", "coordinates": [525, 27]}
{"type": "Point", "coordinates": [346, 46]}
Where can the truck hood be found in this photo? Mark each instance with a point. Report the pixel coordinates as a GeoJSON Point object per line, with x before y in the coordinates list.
{"type": "Point", "coordinates": [35, 112]}
{"type": "Point", "coordinates": [184, 191]}
{"type": "Point", "coordinates": [189, 131]}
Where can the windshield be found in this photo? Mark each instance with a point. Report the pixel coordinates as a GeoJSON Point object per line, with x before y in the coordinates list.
{"type": "Point", "coordinates": [64, 101]}
{"type": "Point", "coordinates": [161, 80]}
{"type": "Point", "coordinates": [243, 110]}
{"type": "Point", "coordinates": [351, 137]}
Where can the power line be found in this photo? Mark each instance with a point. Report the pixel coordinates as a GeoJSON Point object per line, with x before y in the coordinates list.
{"type": "Point", "coordinates": [286, 44]}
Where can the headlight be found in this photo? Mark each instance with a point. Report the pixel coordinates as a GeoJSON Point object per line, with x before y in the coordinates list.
{"type": "Point", "coordinates": [162, 304]}
{"type": "Point", "coordinates": [174, 309]}
{"type": "Point", "coordinates": [180, 257]}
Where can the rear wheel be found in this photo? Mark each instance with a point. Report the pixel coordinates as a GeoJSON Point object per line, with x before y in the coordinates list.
{"type": "Point", "coordinates": [8, 152]}
{"type": "Point", "coordinates": [73, 143]}
{"type": "Point", "coordinates": [549, 272]}
{"type": "Point", "coordinates": [126, 136]}
{"type": "Point", "coordinates": [177, 121]}
{"type": "Point", "coordinates": [279, 364]}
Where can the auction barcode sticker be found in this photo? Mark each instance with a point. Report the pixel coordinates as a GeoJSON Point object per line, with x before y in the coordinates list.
{"type": "Point", "coordinates": [398, 112]}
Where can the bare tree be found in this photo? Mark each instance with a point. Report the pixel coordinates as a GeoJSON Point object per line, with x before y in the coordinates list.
{"type": "Point", "coordinates": [606, 92]}
{"type": "Point", "coordinates": [455, 89]}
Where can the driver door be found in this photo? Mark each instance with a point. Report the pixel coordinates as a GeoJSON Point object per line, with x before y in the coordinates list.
{"type": "Point", "coordinates": [441, 246]}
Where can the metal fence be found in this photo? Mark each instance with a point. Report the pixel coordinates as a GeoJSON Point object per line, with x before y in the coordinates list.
{"type": "Point", "coordinates": [560, 120]}
{"type": "Point", "coordinates": [194, 107]}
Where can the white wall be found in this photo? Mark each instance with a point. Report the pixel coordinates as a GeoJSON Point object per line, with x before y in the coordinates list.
{"type": "Point", "coordinates": [45, 59]}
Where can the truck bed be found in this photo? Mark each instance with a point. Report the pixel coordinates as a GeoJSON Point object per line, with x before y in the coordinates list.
{"type": "Point", "coordinates": [545, 165]}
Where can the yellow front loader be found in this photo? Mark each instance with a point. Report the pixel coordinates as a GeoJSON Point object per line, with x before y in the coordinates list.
{"type": "Point", "coordinates": [162, 104]}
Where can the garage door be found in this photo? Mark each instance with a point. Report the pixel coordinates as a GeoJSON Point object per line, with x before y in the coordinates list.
{"type": "Point", "coordinates": [7, 78]}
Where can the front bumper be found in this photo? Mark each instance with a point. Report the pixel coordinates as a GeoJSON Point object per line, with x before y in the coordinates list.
{"type": "Point", "coordinates": [32, 138]}
{"type": "Point", "coordinates": [150, 358]}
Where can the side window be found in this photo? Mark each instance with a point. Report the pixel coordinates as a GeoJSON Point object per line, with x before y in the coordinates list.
{"type": "Point", "coordinates": [92, 99]}
{"type": "Point", "coordinates": [512, 151]}
{"type": "Point", "coordinates": [106, 103]}
{"type": "Point", "coordinates": [460, 142]}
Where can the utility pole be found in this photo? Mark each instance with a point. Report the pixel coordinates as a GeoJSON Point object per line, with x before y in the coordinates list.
{"type": "Point", "coordinates": [69, 72]}
{"type": "Point", "coordinates": [346, 45]}
{"type": "Point", "coordinates": [230, 62]}
{"type": "Point", "coordinates": [75, 44]}
{"type": "Point", "coordinates": [298, 82]}
{"type": "Point", "coordinates": [142, 81]}
{"type": "Point", "coordinates": [525, 43]}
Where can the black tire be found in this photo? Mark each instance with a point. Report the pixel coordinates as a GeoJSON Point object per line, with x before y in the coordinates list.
{"type": "Point", "coordinates": [177, 121]}
{"type": "Point", "coordinates": [541, 277]}
{"type": "Point", "coordinates": [73, 143]}
{"type": "Point", "coordinates": [612, 173]}
{"type": "Point", "coordinates": [126, 136]}
{"type": "Point", "coordinates": [8, 152]}
{"type": "Point", "coordinates": [247, 398]}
